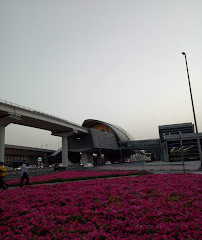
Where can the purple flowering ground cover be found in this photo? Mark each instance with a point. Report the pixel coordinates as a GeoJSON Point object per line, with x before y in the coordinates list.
{"type": "Point", "coordinates": [74, 175]}
{"type": "Point", "coordinates": [162, 206]}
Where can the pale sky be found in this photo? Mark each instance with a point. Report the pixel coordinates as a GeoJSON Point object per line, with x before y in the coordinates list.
{"type": "Point", "coordinates": [117, 61]}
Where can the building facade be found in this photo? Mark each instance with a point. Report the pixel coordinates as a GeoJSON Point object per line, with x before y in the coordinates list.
{"type": "Point", "coordinates": [107, 142]}
{"type": "Point", "coordinates": [103, 142]}
{"type": "Point", "coordinates": [15, 153]}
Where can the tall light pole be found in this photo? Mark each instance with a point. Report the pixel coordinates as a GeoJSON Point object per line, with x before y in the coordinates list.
{"type": "Point", "coordinates": [197, 135]}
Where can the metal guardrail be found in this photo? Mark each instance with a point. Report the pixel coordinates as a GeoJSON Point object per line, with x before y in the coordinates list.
{"type": "Point", "coordinates": [39, 112]}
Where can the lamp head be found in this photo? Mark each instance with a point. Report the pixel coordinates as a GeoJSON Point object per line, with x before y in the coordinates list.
{"type": "Point", "coordinates": [183, 53]}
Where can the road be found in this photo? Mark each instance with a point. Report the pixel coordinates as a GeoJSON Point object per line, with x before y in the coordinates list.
{"type": "Point", "coordinates": [154, 167]}
{"type": "Point", "coordinates": [14, 174]}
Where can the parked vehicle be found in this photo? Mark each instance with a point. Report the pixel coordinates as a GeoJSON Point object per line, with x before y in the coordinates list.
{"type": "Point", "coordinates": [59, 166]}
{"type": "Point", "coordinates": [148, 157]}
{"type": "Point", "coordinates": [88, 165]}
{"type": "Point", "coordinates": [17, 168]}
{"type": "Point", "coordinates": [108, 163]}
{"type": "Point", "coordinates": [17, 163]}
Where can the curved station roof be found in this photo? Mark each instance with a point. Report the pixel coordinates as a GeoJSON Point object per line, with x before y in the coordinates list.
{"type": "Point", "coordinates": [121, 135]}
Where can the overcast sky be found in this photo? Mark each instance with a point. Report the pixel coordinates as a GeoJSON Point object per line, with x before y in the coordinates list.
{"type": "Point", "coordinates": [117, 61]}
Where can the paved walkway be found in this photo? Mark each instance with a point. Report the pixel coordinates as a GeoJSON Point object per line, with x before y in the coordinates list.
{"type": "Point", "coordinates": [155, 167]}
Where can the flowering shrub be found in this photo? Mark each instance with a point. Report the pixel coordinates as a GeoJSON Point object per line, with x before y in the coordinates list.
{"type": "Point", "coordinates": [76, 175]}
{"type": "Point", "coordinates": [152, 206]}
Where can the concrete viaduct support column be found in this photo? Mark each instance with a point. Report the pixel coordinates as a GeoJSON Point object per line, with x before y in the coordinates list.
{"type": "Point", "coordinates": [2, 143]}
{"type": "Point", "coordinates": [65, 136]}
{"type": "Point", "coordinates": [164, 152]}
{"type": "Point", "coordinates": [65, 160]}
{"type": "Point", "coordinates": [99, 159]}
{"type": "Point", "coordinates": [5, 121]}
{"type": "Point", "coordinates": [86, 158]}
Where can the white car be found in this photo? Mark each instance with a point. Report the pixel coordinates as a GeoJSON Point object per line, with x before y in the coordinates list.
{"type": "Point", "coordinates": [147, 157]}
{"type": "Point", "coordinates": [18, 168]}
{"type": "Point", "coordinates": [108, 163]}
{"type": "Point", "coordinates": [88, 165]}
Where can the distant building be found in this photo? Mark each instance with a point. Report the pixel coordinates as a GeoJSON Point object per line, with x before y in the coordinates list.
{"type": "Point", "coordinates": [167, 148]}
{"type": "Point", "coordinates": [16, 154]}
{"type": "Point", "coordinates": [170, 142]}
{"type": "Point", "coordinates": [174, 129]}
{"type": "Point", "coordinates": [107, 142]}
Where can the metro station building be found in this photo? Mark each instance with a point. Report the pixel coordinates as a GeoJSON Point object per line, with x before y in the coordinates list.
{"type": "Point", "coordinates": [103, 142]}
{"type": "Point", "coordinates": [108, 142]}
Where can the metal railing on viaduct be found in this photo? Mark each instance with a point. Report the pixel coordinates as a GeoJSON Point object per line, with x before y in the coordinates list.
{"type": "Point", "coordinates": [16, 114]}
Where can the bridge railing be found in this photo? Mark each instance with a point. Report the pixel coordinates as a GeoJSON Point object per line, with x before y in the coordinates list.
{"type": "Point", "coordinates": [36, 111]}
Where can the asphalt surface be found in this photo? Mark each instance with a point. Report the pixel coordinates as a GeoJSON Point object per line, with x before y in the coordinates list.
{"type": "Point", "coordinates": [154, 167]}
{"type": "Point", "coordinates": [157, 167]}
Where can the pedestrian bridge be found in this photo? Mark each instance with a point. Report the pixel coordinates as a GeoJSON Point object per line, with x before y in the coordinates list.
{"type": "Point", "coordinates": [16, 114]}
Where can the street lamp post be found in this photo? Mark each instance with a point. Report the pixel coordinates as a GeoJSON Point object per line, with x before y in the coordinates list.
{"type": "Point", "coordinates": [197, 135]}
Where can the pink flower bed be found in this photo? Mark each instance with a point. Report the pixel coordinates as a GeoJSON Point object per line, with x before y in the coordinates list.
{"type": "Point", "coordinates": [155, 207]}
{"type": "Point", "coordinates": [67, 175]}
